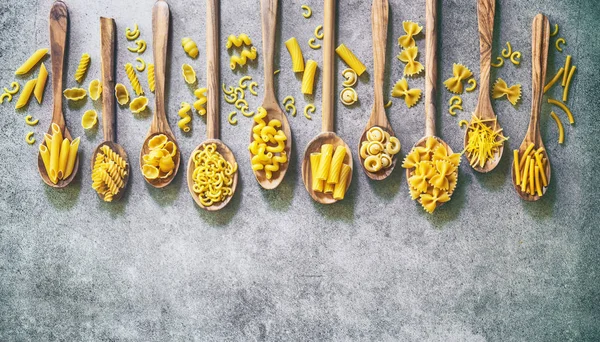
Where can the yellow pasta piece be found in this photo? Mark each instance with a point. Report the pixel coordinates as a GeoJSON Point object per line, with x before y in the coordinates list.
{"type": "Point", "coordinates": [151, 79]}
{"type": "Point", "coordinates": [567, 69]}
{"type": "Point", "coordinates": [308, 78]}
{"type": "Point", "coordinates": [242, 81]}
{"type": "Point", "coordinates": [108, 172]}
{"type": "Point", "coordinates": [555, 32]}
{"type": "Point", "coordinates": [538, 188]}
{"type": "Point", "coordinates": [462, 123]}
{"type": "Point", "coordinates": [540, 164]}
{"type": "Point", "coordinates": [317, 30]}
{"type": "Point", "coordinates": [15, 88]}
{"type": "Point", "coordinates": [26, 94]}
{"type": "Point", "coordinates": [30, 122]}
{"type": "Point", "coordinates": [243, 58]}
{"type": "Point", "coordinates": [45, 154]}
{"type": "Point", "coordinates": [559, 125]}
{"type": "Point", "coordinates": [335, 168]}
{"type": "Point", "coordinates": [185, 117]}
{"type": "Point", "coordinates": [567, 85]}
{"type": "Point", "coordinates": [564, 108]}
{"type": "Point", "coordinates": [522, 162]}
{"type": "Point", "coordinates": [499, 63]}
{"type": "Point", "coordinates": [132, 34]}
{"type": "Point", "coordinates": [350, 59]}
{"type": "Point", "coordinates": [140, 46]}
{"type": "Point", "coordinates": [312, 43]}
{"type": "Point", "coordinates": [276, 72]}
{"type": "Point", "coordinates": [89, 119]}
{"type": "Point", "coordinates": [29, 138]}
{"type": "Point", "coordinates": [5, 96]}
{"type": "Point", "coordinates": [121, 94]}
{"type": "Point", "coordinates": [473, 85]}
{"type": "Point", "coordinates": [348, 96]}
{"type": "Point", "coordinates": [231, 119]}
{"type": "Point", "coordinates": [339, 190]}
{"type": "Point", "coordinates": [459, 74]}
{"type": "Point", "coordinates": [138, 104]}
{"type": "Point", "coordinates": [238, 41]}
{"type": "Point", "coordinates": [309, 108]}
{"type": "Point", "coordinates": [324, 162]}
{"type": "Point", "coordinates": [189, 75]}
{"type": "Point", "coordinates": [31, 61]}
{"type": "Point", "coordinates": [150, 171]}
{"type": "Point", "coordinates": [317, 184]}
{"type": "Point", "coordinates": [199, 105]}
{"type": "Point", "coordinates": [515, 58]}
{"type": "Point", "coordinates": [531, 176]}
{"type": "Point", "coordinates": [74, 94]}
{"type": "Point", "coordinates": [411, 96]}
{"type": "Point", "coordinates": [412, 29]}
{"type": "Point", "coordinates": [500, 89]}
{"type": "Point", "coordinates": [409, 56]}
{"type": "Point", "coordinates": [63, 158]}
{"type": "Point", "coordinates": [455, 100]}
{"type": "Point", "coordinates": [95, 89]}
{"type": "Point", "coordinates": [453, 108]}
{"type": "Point", "coordinates": [307, 11]}
{"type": "Point", "coordinates": [190, 47]}
{"type": "Point", "coordinates": [517, 171]}
{"type": "Point", "coordinates": [252, 88]}
{"type": "Point", "coordinates": [133, 79]}
{"type": "Point", "coordinates": [350, 77]}
{"type": "Point", "coordinates": [559, 43]}
{"type": "Point", "coordinates": [507, 52]}
{"type": "Point", "coordinates": [388, 104]}
{"type": "Point", "coordinates": [82, 68]}
{"type": "Point", "coordinates": [554, 79]}
{"type": "Point", "coordinates": [142, 66]}
{"type": "Point", "coordinates": [484, 140]}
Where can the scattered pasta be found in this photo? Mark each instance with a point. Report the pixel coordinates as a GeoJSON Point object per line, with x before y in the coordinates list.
{"type": "Point", "coordinates": [567, 69]}
{"type": "Point", "coordinates": [455, 100]}
{"type": "Point", "coordinates": [74, 94]}
{"type": "Point", "coordinates": [329, 173]}
{"type": "Point", "coordinates": [350, 77]}
{"type": "Point", "coordinates": [133, 79]}
{"type": "Point", "coordinates": [242, 81]}
{"type": "Point", "coordinates": [243, 58]}
{"type": "Point", "coordinates": [559, 43]}
{"type": "Point", "coordinates": [295, 54]}
{"type": "Point", "coordinates": [348, 96]}
{"type": "Point", "coordinates": [213, 175]}
{"type": "Point", "coordinates": [84, 63]}
{"type": "Point", "coordinates": [554, 79]}
{"type": "Point", "coordinates": [95, 89]}
{"type": "Point", "coordinates": [378, 151]}
{"type": "Point", "coordinates": [485, 138]}
{"type": "Point", "coordinates": [312, 43]}
{"type": "Point", "coordinates": [185, 117]}
{"type": "Point", "coordinates": [58, 154]}
{"type": "Point", "coordinates": [31, 61]}
{"type": "Point", "coordinates": [567, 85]}
{"type": "Point", "coordinates": [499, 64]}
{"type": "Point", "coordinates": [238, 41]}
{"type": "Point", "coordinates": [158, 162]}
{"type": "Point", "coordinates": [307, 11]}
{"type": "Point", "coordinates": [15, 88]}
{"type": "Point", "coordinates": [289, 104]}
{"type": "Point", "coordinates": [142, 66]}
{"type": "Point", "coordinates": [472, 85]}
{"type": "Point", "coordinates": [559, 126]}
{"type": "Point", "coordinates": [189, 75]}
{"type": "Point", "coordinates": [140, 48]}
{"type": "Point", "coordinates": [151, 79]}
{"type": "Point", "coordinates": [30, 122]}
{"type": "Point", "coordinates": [108, 173]}
{"type": "Point", "coordinates": [555, 32]}
{"type": "Point", "coordinates": [317, 30]}
{"type": "Point", "coordinates": [25, 94]}
{"type": "Point", "coordinates": [308, 79]}
{"type": "Point", "coordinates": [515, 58]}
{"type": "Point", "coordinates": [252, 88]}
{"type": "Point", "coordinates": [452, 109]}
{"type": "Point", "coordinates": [89, 119]}
{"type": "Point", "coordinates": [138, 104]}
{"type": "Point", "coordinates": [6, 96]}
{"type": "Point", "coordinates": [121, 94]}
{"type": "Point", "coordinates": [132, 34]}
{"type": "Point", "coordinates": [564, 108]}
{"type": "Point", "coordinates": [500, 89]}
{"type": "Point", "coordinates": [309, 108]}
{"type": "Point", "coordinates": [200, 104]}
{"type": "Point", "coordinates": [409, 56]}
{"type": "Point", "coordinates": [190, 47]}
{"type": "Point", "coordinates": [462, 123]}
{"type": "Point", "coordinates": [350, 59]}
{"type": "Point", "coordinates": [530, 171]}
{"type": "Point", "coordinates": [412, 29]}
{"type": "Point", "coordinates": [388, 104]}
{"type": "Point", "coordinates": [231, 118]}
{"type": "Point", "coordinates": [40, 84]}
{"type": "Point", "coordinates": [411, 96]}
{"type": "Point", "coordinates": [29, 138]}
{"type": "Point", "coordinates": [460, 73]}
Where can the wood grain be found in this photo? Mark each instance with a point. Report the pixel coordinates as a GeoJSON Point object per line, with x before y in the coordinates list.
{"type": "Point", "coordinates": [328, 66]}
{"type": "Point", "coordinates": [431, 56]}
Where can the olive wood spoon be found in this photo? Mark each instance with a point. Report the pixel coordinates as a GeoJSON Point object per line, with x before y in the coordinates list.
{"type": "Point", "coordinates": [379, 25]}
{"type": "Point", "coordinates": [160, 125]}
{"type": "Point", "coordinates": [540, 38]}
{"type": "Point", "coordinates": [59, 25]}
{"type": "Point", "coordinates": [268, 10]}
{"type": "Point", "coordinates": [107, 55]}
{"type": "Point", "coordinates": [430, 77]}
{"type": "Point", "coordinates": [486, 10]}
{"type": "Point", "coordinates": [327, 136]}
{"type": "Point", "coordinates": [212, 105]}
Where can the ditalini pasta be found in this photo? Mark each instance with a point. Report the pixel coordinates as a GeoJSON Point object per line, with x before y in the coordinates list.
{"type": "Point", "coordinates": [500, 89]}
{"type": "Point", "coordinates": [74, 94]}
{"type": "Point", "coordinates": [158, 162]}
{"type": "Point", "coordinates": [243, 58]}
{"type": "Point", "coordinates": [411, 96]}
{"type": "Point", "coordinates": [189, 75]}
{"type": "Point", "coordinates": [40, 84]}
{"type": "Point", "coordinates": [295, 54]}
{"type": "Point", "coordinates": [89, 119]}
{"type": "Point", "coordinates": [82, 68]}
{"type": "Point", "coordinates": [350, 58]}
{"type": "Point", "coordinates": [460, 73]}
{"type": "Point", "coordinates": [121, 94]}
{"type": "Point", "coordinates": [213, 175]}
{"type": "Point", "coordinates": [530, 170]}
{"type": "Point", "coordinates": [238, 41]}
{"type": "Point", "coordinates": [308, 79]}
{"type": "Point", "coordinates": [26, 94]}
{"type": "Point", "coordinates": [409, 56]}
{"type": "Point", "coordinates": [95, 89]}
{"type": "Point", "coordinates": [31, 61]}
{"type": "Point", "coordinates": [329, 174]}
{"type": "Point", "coordinates": [108, 173]}
{"type": "Point", "coordinates": [412, 29]}
{"type": "Point", "coordinates": [185, 117]}
{"type": "Point", "coordinates": [190, 47]}
{"type": "Point", "coordinates": [485, 139]}
{"type": "Point", "coordinates": [138, 104]}
{"type": "Point", "coordinates": [151, 79]}
{"type": "Point", "coordinates": [58, 154]}
{"type": "Point", "coordinates": [268, 144]}
{"type": "Point", "coordinates": [133, 79]}
{"type": "Point", "coordinates": [378, 151]}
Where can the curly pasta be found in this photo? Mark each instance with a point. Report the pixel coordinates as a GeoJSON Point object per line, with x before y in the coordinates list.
{"type": "Point", "coordinates": [268, 145]}
{"type": "Point", "coordinates": [213, 175]}
{"type": "Point", "coordinates": [200, 104]}
{"type": "Point", "coordinates": [185, 117]}
{"type": "Point", "coordinates": [133, 79]}
{"type": "Point", "coordinates": [84, 63]}
{"type": "Point", "coordinates": [190, 47]}
{"type": "Point", "coordinates": [238, 41]}
{"type": "Point", "coordinates": [243, 58]}
{"type": "Point", "coordinates": [108, 173]}
{"type": "Point", "coordinates": [140, 48]}
{"type": "Point", "coordinates": [151, 79]}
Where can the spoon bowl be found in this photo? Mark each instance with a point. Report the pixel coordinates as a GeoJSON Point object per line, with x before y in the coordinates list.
{"type": "Point", "coordinates": [160, 182]}
{"type": "Point", "coordinates": [384, 172]}
{"type": "Point", "coordinates": [314, 146]}
{"type": "Point", "coordinates": [121, 151]}
{"type": "Point", "coordinates": [44, 173]}
{"type": "Point", "coordinates": [547, 170]}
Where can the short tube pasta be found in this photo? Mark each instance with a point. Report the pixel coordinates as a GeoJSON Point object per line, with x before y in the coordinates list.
{"type": "Point", "coordinates": [317, 184]}
{"type": "Point", "coordinates": [336, 165]}
{"type": "Point", "coordinates": [350, 58]}
{"type": "Point", "coordinates": [26, 94]}
{"type": "Point", "coordinates": [308, 79]}
{"type": "Point", "coordinates": [40, 83]}
{"type": "Point", "coordinates": [295, 54]}
{"type": "Point", "coordinates": [325, 162]}
{"type": "Point", "coordinates": [339, 190]}
{"type": "Point", "coordinates": [45, 153]}
{"type": "Point", "coordinates": [63, 158]}
{"type": "Point", "coordinates": [73, 148]}
{"type": "Point", "coordinates": [31, 61]}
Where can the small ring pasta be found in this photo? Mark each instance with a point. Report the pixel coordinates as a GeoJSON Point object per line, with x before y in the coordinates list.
{"type": "Point", "coordinates": [309, 108]}
{"type": "Point", "coordinates": [515, 58]}
{"type": "Point", "coordinates": [317, 30]}
{"type": "Point", "coordinates": [462, 123]}
{"type": "Point", "coordinates": [231, 118]}
{"type": "Point", "coordinates": [142, 65]}
{"type": "Point", "coordinates": [312, 42]}
{"type": "Point", "coordinates": [252, 88]}
{"type": "Point", "coordinates": [508, 51]}
{"type": "Point", "coordinates": [452, 109]}
{"type": "Point", "coordinates": [559, 43]}
{"type": "Point", "coordinates": [5, 96]}
{"type": "Point", "coordinates": [499, 64]}
{"type": "Point", "coordinates": [555, 31]}
{"type": "Point", "coordinates": [308, 11]}
{"type": "Point", "coordinates": [473, 85]}
{"type": "Point", "coordinates": [31, 122]}
{"type": "Point", "coordinates": [242, 81]}
{"type": "Point", "coordinates": [455, 100]}
{"type": "Point", "coordinates": [29, 138]}
{"type": "Point", "coordinates": [15, 88]}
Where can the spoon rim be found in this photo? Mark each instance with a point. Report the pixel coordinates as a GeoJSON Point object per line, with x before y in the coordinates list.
{"type": "Point", "coordinates": [160, 182]}
{"type": "Point", "coordinates": [379, 175]}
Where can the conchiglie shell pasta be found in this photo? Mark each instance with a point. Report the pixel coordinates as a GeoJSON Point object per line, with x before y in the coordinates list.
{"type": "Point", "coordinates": [138, 104]}
{"type": "Point", "coordinates": [121, 94]}
{"type": "Point", "coordinates": [95, 89]}
{"type": "Point", "coordinates": [74, 94]}
{"type": "Point", "coordinates": [189, 75]}
{"type": "Point", "coordinates": [157, 142]}
{"type": "Point", "coordinates": [150, 172]}
{"type": "Point", "coordinates": [89, 119]}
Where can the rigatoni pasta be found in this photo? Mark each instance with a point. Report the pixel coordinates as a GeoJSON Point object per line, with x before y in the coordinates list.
{"type": "Point", "coordinates": [295, 54]}
{"type": "Point", "coordinates": [350, 58]}
{"type": "Point", "coordinates": [328, 172]}
{"type": "Point", "coordinates": [308, 79]}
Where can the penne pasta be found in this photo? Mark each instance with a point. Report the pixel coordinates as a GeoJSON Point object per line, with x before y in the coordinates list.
{"type": "Point", "coordinates": [31, 62]}
{"type": "Point", "coordinates": [55, 152]}
{"type": "Point", "coordinates": [63, 158]}
{"type": "Point", "coordinates": [73, 148]}
{"type": "Point", "coordinates": [40, 83]}
{"type": "Point", "coordinates": [26, 94]}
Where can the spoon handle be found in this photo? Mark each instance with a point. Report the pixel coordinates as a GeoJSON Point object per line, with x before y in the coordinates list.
{"type": "Point", "coordinates": [379, 26]}
{"type": "Point", "coordinates": [212, 68]}
{"type": "Point", "coordinates": [430, 65]}
{"type": "Point", "coordinates": [328, 41]}
{"type": "Point", "coordinates": [268, 15]}
{"type": "Point", "coordinates": [107, 53]}
{"type": "Point", "coordinates": [59, 24]}
{"type": "Point", "coordinates": [486, 10]}
{"type": "Point", "coordinates": [160, 37]}
{"type": "Point", "coordinates": [540, 38]}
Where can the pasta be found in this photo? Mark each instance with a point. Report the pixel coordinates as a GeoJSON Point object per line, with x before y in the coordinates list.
{"type": "Point", "coordinates": [339, 191]}
{"type": "Point", "coordinates": [213, 175]}
{"type": "Point", "coordinates": [564, 108]}
{"type": "Point", "coordinates": [252, 88]}
{"type": "Point", "coordinates": [95, 89]}
{"type": "Point", "coordinates": [500, 89]}
{"type": "Point", "coordinates": [45, 154]}
{"type": "Point", "coordinates": [317, 30]}
{"type": "Point", "coordinates": [388, 104]}
{"type": "Point", "coordinates": [336, 165]}
{"type": "Point", "coordinates": [242, 81]}
{"type": "Point", "coordinates": [133, 79]}
{"type": "Point", "coordinates": [559, 43]}
{"type": "Point", "coordinates": [132, 34]}
{"type": "Point", "coordinates": [567, 69]}
{"type": "Point", "coordinates": [243, 58]}
{"type": "Point", "coordinates": [473, 85]}
{"type": "Point", "coordinates": [307, 11]}
{"type": "Point", "coordinates": [452, 109]}
{"type": "Point", "coordinates": [559, 125]}
{"type": "Point", "coordinates": [241, 103]}
{"type": "Point", "coordinates": [231, 119]}
{"type": "Point", "coordinates": [200, 104]}
{"type": "Point", "coordinates": [74, 94]}
{"type": "Point", "coordinates": [141, 46]}
{"type": "Point", "coordinates": [312, 43]}
{"type": "Point", "coordinates": [30, 122]}
{"type": "Point", "coordinates": [566, 89]}
{"type": "Point", "coordinates": [121, 94]}
{"type": "Point", "coordinates": [29, 138]}
{"type": "Point", "coordinates": [142, 66]}
{"type": "Point", "coordinates": [462, 123]}
{"type": "Point", "coordinates": [238, 41]}
{"type": "Point", "coordinates": [276, 72]}
{"type": "Point", "coordinates": [529, 170]}
{"type": "Point", "coordinates": [58, 154]}
{"type": "Point", "coordinates": [412, 29]}
{"type": "Point", "coordinates": [138, 104]}
{"type": "Point", "coordinates": [554, 79]}
{"type": "Point", "coordinates": [350, 59]}
{"type": "Point", "coordinates": [151, 79]}
{"type": "Point", "coordinates": [408, 56]}
{"type": "Point", "coordinates": [350, 77]}
{"type": "Point", "coordinates": [26, 94]}
{"type": "Point", "coordinates": [348, 96]}
{"type": "Point", "coordinates": [308, 79]}
{"type": "Point", "coordinates": [379, 149]}
{"type": "Point", "coordinates": [329, 173]}
{"type": "Point", "coordinates": [89, 119]}
{"type": "Point", "coordinates": [309, 108]}
{"type": "Point", "coordinates": [555, 32]}
{"type": "Point", "coordinates": [63, 157]}
{"type": "Point", "coordinates": [185, 117]}
{"type": "Point", "coordinates": [5, 96]}
{"type": "Point", "coordinates": [325, 162]}
{"type": "Point", "coordinates": [515, 58]}
{"type": "Point", "coordinates": [289, 104]}
{"type": "Point", "coordinates": [108, 173]}
{"type": "Point", "coordinates": [455, 100]}
{"type": "Point", "coordinates": [268, 144]}
{"type": "Point", "coordinates": [84, 63]}
{"type": "Point", "coordinates": [459, 74]}
{"type": "Point", "coordinates": [31, 61]}
{"type": "Point", "coordinates": [499, 64]}
{"type": "Point", "coordinates": [484, 141]}
{"type": "Point", "coordinates": [190, 47]}
{"type": "Point", "coordinates": [15, 88]}
{"type": "Point", "coordinates": [158, 162]}
{"type": "Point", "coordinates": [245, 112]}
{"type": "Point", "coordinates": [316, 184]}
{"type": "Point", "coordinates": [295, 54]}
{"type": "Point", "coordinates": [189, 75]}
{"type": "Point", "coordinates": [411, 96]}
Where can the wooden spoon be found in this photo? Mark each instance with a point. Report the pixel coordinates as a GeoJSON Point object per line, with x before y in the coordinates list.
{"type": "Point", "coordinates": [107, 54]}
{"type": "Point", "coordinates": [379, 25]}
{"type": "Point", "coordinates": [540, 38]}
{"type": "Point", "coordinates": [160, 125]}
{"type": "Point", "coordinates": [486, 10]}
{"type": "Point", "coordinates": [327, 135]}
{"type": "Point", "coordinates": [212, 105]}
{"type": "Point", "coordinates": [269, 24]}
{"type": "Point", "coordinates": [430, 77]}
{"type": "Point", "coordinates": [59, 25]}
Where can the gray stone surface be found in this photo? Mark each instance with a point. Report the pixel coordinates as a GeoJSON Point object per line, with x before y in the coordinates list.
{"type": "Point", "coordinates": [275, 265]}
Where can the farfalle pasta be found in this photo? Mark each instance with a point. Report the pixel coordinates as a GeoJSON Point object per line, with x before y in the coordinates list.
{"type": "Point", "coordinates": [412, 66]}
{"type": "Point", "coordinates": [378, 151]}
{"type": "Point", "coordinates": [185, 117]}
{"type": "Point", "coordinates": [412, 29]}
{"type": "Point", "coordinates": [500, 89]}
{"type": "Point", "coordinates": [95, 89]}
{"type": "Point", "coordinates": [460, 73]}
{"type": "Point", "coordinates": [411, 96]}
{"type": "Point", "coordinates": [213, 175]}
{"type": "Point", "coordinates": [82, 68]}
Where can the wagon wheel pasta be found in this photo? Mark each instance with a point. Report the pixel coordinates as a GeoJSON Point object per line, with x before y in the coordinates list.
{"type": "Point", "coordinates": [82, 68]}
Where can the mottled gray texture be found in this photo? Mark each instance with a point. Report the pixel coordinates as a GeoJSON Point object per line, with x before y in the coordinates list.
{"type": "Point", "coordinates": [275, 265]}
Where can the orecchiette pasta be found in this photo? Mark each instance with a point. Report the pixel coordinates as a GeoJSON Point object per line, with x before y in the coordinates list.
{"type": "Point", "coordinates": [84, 63]}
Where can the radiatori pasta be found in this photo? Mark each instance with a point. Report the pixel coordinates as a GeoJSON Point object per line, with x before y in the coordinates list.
{"type": "Point", "coordinates": [158, 162]}
{"type": "Point", "coordinates": [108, 173]}
{"type": "Point", "coordinates": [213, 175]}
{"type": "Point", "coordinates": [82, 68]}
{"type": "Point", "coordinates": [268, 145]}
{"type": "Point", "coordinates": [329, 173]}
{"type": "Point", "coordinates": [58, 154]}
{"type": "Point", "coordinates": [378, 151]}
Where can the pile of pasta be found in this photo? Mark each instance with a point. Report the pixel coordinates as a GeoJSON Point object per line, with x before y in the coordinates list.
{"type": "Point", "coordinates": [213, 175]}
{"type": "Point", "coordinates": [108, 173]}
{"type": "Point", "coordinates": [158, 162]}
{"type": "Point", "coordinates": [433, 173]}
{"type": "Point", "coordinates": [508, 53]}
{"type": "Point", "coordinates": [237, 97]}
{"type": "Point", "coordinates": [58, 154]}
{"type": "Point", "coordinates": [530, 170]}
{"type": "Point", "coordinates": [484, 140]}
{"type": "Point", "coordinates": [379, 149]}
{"type": "Point", "coordinates": [268, 145]}
{"type": "Point", "coordinates": [329, 173]}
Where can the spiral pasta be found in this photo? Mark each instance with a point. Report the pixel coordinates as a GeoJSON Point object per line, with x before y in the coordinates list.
{"type": "Point", "coordinates": [151, 79]}
{"type": "Point", "coordinates": [200, 104]}
{"type": "Point", "coordinates": [213, 176]}
{"type": "Point", "coordinates": [185, 117]}
{"type": "Point", "coordinates": [190, 47]}
{"type": "Point", "coordinates": [133, 79]}
{"type": "Point", "coordinates": [84, 63]}
{"type": "Point", "coordinates": [108, 173]}
{"type": "Point", "coordinates": [238, 41]}
{"type": "Point", "coordinates": [243, 58]}
{"type": "Point", "coordinates": [268, 145]}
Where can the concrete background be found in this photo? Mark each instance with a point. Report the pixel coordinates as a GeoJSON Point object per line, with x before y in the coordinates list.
{"type": "Point", "coordinates": [275, 265]}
